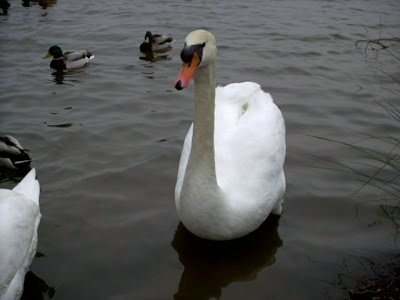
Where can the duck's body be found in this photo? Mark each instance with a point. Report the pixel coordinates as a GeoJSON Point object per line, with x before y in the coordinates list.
{"type": "Point", "coordinates": [69, 59]}
{"type": "Point", "coordinates": [19, 220]}
{"type": "Point", "coordinates": [4, 5]}
{"type": "Point", "coordinates": [12, 154]}
{"type": "Point", "coordinates": [156, 42]}
{"type": "Point", "coordinates": [230, 174]}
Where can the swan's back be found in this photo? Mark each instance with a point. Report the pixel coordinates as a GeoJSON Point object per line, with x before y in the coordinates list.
{"type": "Point", "coordinates": [19, 220]}
{"type": "Point", "coordinates": [249, 146]}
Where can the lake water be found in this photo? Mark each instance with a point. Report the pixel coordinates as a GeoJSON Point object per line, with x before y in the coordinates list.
{"type": "Point", "coordinates": [106, 141]}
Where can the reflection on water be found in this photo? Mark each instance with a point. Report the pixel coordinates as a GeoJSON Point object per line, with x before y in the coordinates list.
{"type": "Point", "coordinates": [62, 125]}
{"type": "Point", "coordinates": [58, 77]}
{"type": "Point", "coordinates": [210, 266]}
{"type": "Point", "coordinates": [156, 55]}
{"type": "Point", "coordinates": [35, 288]}
{"type": "Point", "coordinates": [153, 58]}
{"type": "Point", "coordinates": [69, 77]}
{"type": "Point", "coordinates": [43, 3]}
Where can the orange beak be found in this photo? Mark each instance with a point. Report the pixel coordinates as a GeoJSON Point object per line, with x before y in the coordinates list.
{"type": "Point", "coordinates": [186, 72]}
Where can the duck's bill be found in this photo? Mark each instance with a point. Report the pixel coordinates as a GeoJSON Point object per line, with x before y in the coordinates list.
{"type": "Point", "coordinates": [186, 72]}
{"type": "Point", "coordinates": [47, 55]}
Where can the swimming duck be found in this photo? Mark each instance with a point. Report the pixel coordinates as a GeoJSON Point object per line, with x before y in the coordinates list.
{"type": "Point", "coordinates": [12, 154]}
{"type": "Point", "coordinates": [230, 175]}
{"type": "Point", "coordinates": [19, 220]}
{"type": "Point", "coordinates": [156, 42]}
{"type": "Point", "coordinates": [68, 60]}
{"type": "Point", "coordinates": [4, 5]}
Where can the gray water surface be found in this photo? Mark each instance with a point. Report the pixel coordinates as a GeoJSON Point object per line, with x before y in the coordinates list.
{"type": "Point", "coordinates": [106, 142]}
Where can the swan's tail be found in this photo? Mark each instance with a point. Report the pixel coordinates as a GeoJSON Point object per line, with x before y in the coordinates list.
{"type": "Point", "coordinates": [29, 186]}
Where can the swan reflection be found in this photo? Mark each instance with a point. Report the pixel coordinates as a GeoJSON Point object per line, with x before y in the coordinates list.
{"type": "Point", "coordinates": [210, 266]}
{"type": "Point", "coordinates": [36, 288]}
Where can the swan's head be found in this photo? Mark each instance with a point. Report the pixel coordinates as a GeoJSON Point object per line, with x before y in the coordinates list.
{"type": "Point", "coordinates": [200, 50]}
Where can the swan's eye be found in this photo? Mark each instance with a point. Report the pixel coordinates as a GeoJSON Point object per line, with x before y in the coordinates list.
{"type": "Point", "coordinates": [187, 52]}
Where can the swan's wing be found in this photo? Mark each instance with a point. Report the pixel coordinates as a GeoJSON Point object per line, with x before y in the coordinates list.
{"type": "Point", "coordinates": [249, 144]}
{"type": "Point", "coordinates": [187, 145]}
{"type": "Point", "coordinates": [19, 219]}
{"type": "Point", "coordinates": [29, 186]}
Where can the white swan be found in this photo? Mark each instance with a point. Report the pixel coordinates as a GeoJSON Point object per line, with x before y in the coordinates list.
{"type": "Point", "coordinates": [19, 220]}
{"type": "Point", "coordinates": [230, 175]}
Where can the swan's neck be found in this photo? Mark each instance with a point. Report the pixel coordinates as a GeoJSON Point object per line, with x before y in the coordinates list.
{"type": "Point", "coordinates": [202, 156]}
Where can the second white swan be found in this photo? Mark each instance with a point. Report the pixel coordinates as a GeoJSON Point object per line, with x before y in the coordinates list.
{"type": "Point", "coordinates": [19, 221]}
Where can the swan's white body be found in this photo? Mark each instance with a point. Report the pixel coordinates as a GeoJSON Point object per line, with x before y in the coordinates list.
{"type": "Point", "coordinates": [19, 220]}
{"type": "Point", "coordinates": [230, 175]}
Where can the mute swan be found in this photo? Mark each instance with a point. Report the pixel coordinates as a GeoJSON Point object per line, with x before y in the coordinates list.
{"type": "Point", "coordinates": [230, 175]}
{"type": "Point", "coordinates": [68, 60]}
{"type": "Point", "coordinates": [19, 220]}
{"type": "Point", "coordinates": [12, 154]}
{"type": "Point", "coordinates": [155, 42]}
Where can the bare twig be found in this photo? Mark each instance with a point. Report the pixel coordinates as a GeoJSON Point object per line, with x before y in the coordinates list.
{"type": "Point", "coordinates": [380, 42]}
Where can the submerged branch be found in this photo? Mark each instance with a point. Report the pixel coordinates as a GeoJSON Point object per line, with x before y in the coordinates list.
{"type": "Point", "coordinates": [381, 42]}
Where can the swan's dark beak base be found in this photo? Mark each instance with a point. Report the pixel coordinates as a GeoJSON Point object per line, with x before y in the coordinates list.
{"type": "Point", "coordinates": [186, 72]}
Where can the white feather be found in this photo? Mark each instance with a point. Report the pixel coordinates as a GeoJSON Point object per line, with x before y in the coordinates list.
{"type": "Point", "coordinates": [19, 220]}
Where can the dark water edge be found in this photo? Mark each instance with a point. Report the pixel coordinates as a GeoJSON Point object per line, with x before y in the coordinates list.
{"type": "Point", "coordinates": [375, 277]}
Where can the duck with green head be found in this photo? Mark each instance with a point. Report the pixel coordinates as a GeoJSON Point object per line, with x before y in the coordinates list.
{"type": "Point", "coordinates": [69, 59]}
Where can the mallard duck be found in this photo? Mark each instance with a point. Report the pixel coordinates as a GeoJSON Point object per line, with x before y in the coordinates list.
{"type": "Point", "coordinates": [230, 175]}
{"type": "Point", "coordinates": [68, 60]}
{"type": "Point", "coordinates": [155, 42]}
{"type": "Point", "coordinates": [4, 5]}
{"type": "Point", "coordinates": [12, 154]}
{"type": "Point", "coordinates": [19, 220]}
